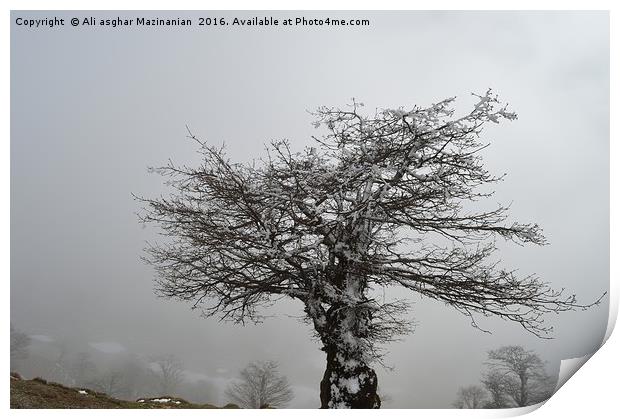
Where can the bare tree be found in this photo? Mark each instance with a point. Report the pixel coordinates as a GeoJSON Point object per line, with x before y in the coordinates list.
{"type": "Point", "coordinates": [522, 372]}
{"type": "Point", "coordinates": [379, 202]}
{"type": "Point", "coordinates": [497, 384]}
{"type": "Point", "coordinates": [471, 397]}
{"type": "Point", "coordinates": [543, 388]}
{"type": "Point", "coordinates": [169, 371]}
{"type": "Point", "coordinates": [19, 344]}
{"type": "Point", "coordinates": [260, 386]}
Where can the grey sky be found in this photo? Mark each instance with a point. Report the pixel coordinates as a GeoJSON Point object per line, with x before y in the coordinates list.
{"type": "Point", "coordinates": [91, 108]}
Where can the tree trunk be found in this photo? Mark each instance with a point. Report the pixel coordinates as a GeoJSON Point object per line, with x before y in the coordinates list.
{"type": "Point", "coordinates": [523, 390]}
{"type": "Point", "coordinates": [348, 382]}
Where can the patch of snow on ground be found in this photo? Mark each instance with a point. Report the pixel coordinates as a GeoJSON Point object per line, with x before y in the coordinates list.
{"type": "Point", "coordinates": [82, 392]}
{"type": "Point", "coordinates": [165, 401]}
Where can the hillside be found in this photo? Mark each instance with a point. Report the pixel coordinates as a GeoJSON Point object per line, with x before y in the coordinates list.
{"type": "Point", "coordinates": [41, 394]}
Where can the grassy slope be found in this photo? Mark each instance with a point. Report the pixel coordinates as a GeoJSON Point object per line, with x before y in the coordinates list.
{"type": "Point", "coordinates": [40, 394]}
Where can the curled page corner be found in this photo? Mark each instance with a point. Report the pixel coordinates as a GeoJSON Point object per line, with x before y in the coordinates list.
{"type": "Point", "coordinates": [613, 315]}
{"type": "Point", "coordinates": [568, 367]}
{"type": "Point", "coordinates": [520, 411]}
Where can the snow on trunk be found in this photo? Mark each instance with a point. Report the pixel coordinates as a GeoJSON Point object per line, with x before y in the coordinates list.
{"type": "Point", "coordinates": [348, 382]}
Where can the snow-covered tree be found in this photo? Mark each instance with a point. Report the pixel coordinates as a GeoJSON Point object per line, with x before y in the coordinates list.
{"type": "Point", "coordinates": [379, 201]}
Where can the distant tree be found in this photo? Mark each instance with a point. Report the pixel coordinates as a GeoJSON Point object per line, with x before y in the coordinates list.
{"type": "Point", "coordinates": [259, 386]}
{"type": "Point", "coordinates": [522, 372]}
{"type": "Point", "coordinates": [471, 397]}
{"type": "Point", "coordinates": [169, 371]}
{"type": "Point", "coordinates": [381, 200]}
{"type": "Point", "coordinates": [458, 403]}
{"type": "Point", "coordinates": [497, 384]}
{"type": "Point", "coordinates": [542, 388]}
{"type": "Point", "coordinates": [19, 344]}
{"type": "Point", "coordinates": [127, 377]}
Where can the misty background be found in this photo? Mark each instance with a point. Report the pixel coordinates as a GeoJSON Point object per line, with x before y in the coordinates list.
{"type": "Point", "coordinates": [92, 108]}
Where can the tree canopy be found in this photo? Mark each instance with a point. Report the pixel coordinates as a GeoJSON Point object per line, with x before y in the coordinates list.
{"type": "Point", "coordinates": [380, 200]}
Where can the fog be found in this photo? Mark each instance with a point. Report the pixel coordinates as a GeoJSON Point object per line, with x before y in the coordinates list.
{"type": "Point", "coordinates": [92, 108]}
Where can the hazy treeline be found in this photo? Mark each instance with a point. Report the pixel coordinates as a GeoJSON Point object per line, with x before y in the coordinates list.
{"type": "Point", "coordinates": [514, 377]}
{"type": "Point", "coordinates": [120, 374]}
{"type": "Point", "coordinates": [131, 376]}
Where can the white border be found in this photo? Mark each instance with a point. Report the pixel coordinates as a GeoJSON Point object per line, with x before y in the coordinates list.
{"type": "Point", "coordinates": [592, 392]}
